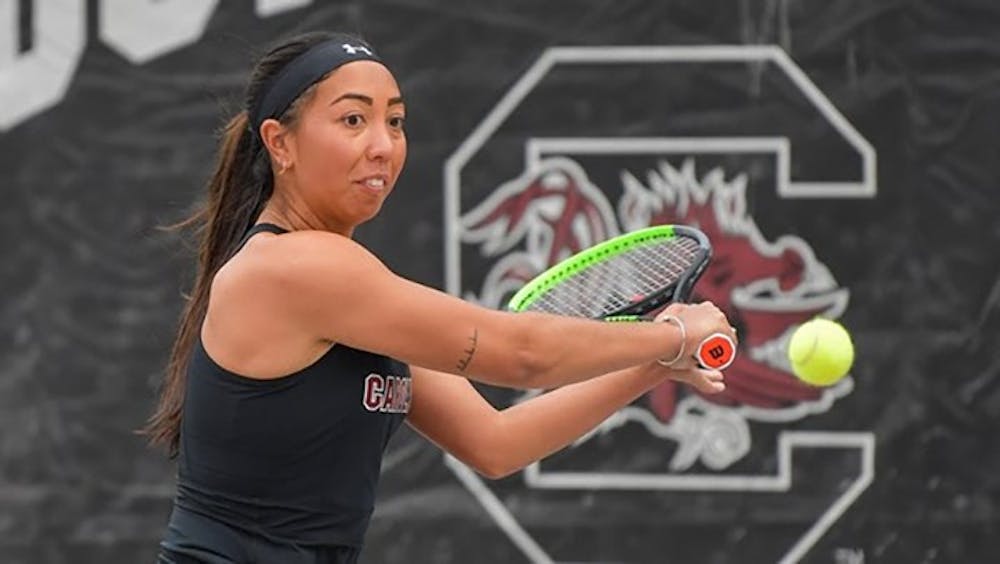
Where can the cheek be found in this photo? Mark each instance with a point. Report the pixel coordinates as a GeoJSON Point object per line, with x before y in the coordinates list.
{"type": "Point", "coordinates": [330, 157]}
{"type": "Point", "coordinates": [400, 155]}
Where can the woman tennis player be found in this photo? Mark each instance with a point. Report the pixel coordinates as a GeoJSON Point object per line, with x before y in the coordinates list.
{"type": "Point", "coordinates": [299, 353]}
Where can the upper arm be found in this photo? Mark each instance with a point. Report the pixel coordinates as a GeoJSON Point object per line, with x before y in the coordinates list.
{"type": "Point", "coordinates": [340, 292]}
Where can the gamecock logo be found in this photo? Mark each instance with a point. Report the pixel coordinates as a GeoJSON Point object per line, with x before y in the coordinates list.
{"type": "Point", "coordinates": [766, 287]}
{"type": "Point", "coordinates": [586, 146]}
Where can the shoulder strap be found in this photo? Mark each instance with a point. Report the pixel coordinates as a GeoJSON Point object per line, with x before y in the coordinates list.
{"type": "Point", "coordinates": [269, 227]}
{"type": "Point", "coordinates": [260, 227]}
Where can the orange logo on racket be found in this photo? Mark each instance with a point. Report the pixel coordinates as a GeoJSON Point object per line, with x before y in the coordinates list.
{"type": "Point", "coordinates": [717, 351]}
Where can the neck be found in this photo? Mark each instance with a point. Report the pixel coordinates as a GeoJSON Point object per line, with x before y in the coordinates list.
{"type": "Point", "coordinates": [296, 216]}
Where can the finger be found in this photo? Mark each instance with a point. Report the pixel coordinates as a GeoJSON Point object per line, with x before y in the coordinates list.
{"type": "Point", "coordinates": [711, 383]}
{"type": "Point", "coordinates": [704, 380]}
{"type": "Point", "coordinates": [713, 375]}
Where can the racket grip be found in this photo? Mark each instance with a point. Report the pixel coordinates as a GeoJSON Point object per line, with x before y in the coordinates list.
{"type": "Point", "coordinates": [716, 352]}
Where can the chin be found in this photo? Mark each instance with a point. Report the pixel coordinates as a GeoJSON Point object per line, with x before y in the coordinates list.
{"type": "Point", "coordinates": [369, 214]}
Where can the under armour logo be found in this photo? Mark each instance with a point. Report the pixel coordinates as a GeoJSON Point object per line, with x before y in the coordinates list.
{"type": "Point", "coordinates": [353, 49]}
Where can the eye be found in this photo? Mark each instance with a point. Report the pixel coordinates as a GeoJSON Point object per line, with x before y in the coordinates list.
{"type": "Point", "coordinates": [353, 120]}
{"type": "Point", "coordinates": [397, 122]}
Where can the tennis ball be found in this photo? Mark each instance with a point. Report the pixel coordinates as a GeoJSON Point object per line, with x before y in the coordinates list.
{"type": "Point", "coordinates": [821, 352]}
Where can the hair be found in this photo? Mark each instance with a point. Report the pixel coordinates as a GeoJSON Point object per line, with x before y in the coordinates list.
{"type": "Point", "coordinates": [237, 191]}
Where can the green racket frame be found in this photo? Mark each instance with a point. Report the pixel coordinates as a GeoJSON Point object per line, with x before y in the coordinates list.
{"type": "Point", "coordinates": [680, 290]}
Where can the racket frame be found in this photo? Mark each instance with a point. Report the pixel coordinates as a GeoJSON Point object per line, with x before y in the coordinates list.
{"type": "Point", "coordinates": [679, 291]}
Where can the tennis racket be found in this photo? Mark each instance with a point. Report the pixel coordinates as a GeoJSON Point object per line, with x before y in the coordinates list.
{"type": "Point", "coordinates": [626, 277]}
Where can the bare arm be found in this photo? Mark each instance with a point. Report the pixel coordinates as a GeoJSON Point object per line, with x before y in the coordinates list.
{"type": "Point", "coordinates": [453, 415]}
{"type": "Point", "coordinates": [337, 291]}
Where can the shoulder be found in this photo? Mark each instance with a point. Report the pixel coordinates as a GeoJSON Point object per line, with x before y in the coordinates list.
{"type": "Point", "coordinates": [261, 301]}
{"type": "Point", "coordinates": [288, 274]}
{"type": "Point", "coordinates": [307, 247]}
{"type": "Point", "coordinates": [298, 256]}
{"type": "Point", "coordinates": [280, 280]}
{"type": "Point", "coordinates": [310, 284]}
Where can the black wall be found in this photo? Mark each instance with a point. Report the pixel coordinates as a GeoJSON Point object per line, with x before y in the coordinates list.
{"type": "Point", "coordinates": [92, 287]}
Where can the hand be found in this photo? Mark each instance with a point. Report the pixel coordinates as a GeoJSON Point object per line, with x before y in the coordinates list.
{"type": "Point", "coordinates": [704, 380]}
{"type": "Point", "coordinates": [700, 321]}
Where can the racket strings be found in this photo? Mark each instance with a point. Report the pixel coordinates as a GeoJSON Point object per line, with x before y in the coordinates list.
{"type": "Point", "coordinates": [617, 281]}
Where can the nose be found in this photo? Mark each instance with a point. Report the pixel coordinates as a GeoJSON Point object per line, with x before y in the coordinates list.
{"type": "Point", "coordinates": [380, 142]}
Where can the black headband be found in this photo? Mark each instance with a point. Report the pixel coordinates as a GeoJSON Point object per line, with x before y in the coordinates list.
{"type": "Point", "coordinates": [304, 71]}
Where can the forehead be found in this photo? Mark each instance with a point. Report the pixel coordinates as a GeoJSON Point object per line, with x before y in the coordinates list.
{"type": "Point", "coordinates": [360, 77]}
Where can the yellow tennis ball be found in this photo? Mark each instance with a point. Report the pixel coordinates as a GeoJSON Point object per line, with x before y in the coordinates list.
{"type": "Point", "coordinates": [821, 352]}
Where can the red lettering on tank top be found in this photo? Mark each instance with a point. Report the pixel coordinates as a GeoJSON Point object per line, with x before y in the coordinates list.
{"type": "Point", "coordinates": [387, 394]}
{"type": "Point", "coordinates": [374, 392]}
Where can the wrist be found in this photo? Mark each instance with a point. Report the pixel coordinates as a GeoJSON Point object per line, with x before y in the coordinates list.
{"type": "Point", "coordinates": [677, 322]}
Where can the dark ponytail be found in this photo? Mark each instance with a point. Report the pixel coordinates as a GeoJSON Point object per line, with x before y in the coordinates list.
{"type": "Point", "coordinates": [237, 192]}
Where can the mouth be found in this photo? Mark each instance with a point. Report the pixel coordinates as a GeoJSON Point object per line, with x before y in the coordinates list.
{"type": "Point", "coordinates": [376, 183]}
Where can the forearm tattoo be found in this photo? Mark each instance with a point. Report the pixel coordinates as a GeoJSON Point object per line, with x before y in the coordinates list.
{"type": "Point", "coordinates": [469, 351]}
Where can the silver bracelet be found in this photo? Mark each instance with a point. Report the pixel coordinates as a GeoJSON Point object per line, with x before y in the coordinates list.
{"type": "Point", "coordinates": [680, 325]}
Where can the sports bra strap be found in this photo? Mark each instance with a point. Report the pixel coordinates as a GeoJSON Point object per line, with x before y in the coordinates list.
{"type": "Point", "coordinates": [260, 227]}
{"type": "Point", "coordinates": [269, 227]}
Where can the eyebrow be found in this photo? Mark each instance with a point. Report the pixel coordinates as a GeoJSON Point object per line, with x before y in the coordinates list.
{"type": "Point", "coordinates": [366, 99]}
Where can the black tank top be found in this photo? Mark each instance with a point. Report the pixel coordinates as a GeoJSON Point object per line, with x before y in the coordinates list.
{"type": "Point", "coordinates": [295, 459]}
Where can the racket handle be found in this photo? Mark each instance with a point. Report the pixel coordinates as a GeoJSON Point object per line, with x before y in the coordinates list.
{"type": "Point", "coordinates": [716, 352]}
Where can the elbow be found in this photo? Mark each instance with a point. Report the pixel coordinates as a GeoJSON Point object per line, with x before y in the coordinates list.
{"type": "Point", "coordinates": [531, 359]}
{"type": "Point", "coordinates": [494, 467]}
{"type": "Point", "coordinates": [495, 473]}
{"type": "Point", "coordinates": [495, 455]}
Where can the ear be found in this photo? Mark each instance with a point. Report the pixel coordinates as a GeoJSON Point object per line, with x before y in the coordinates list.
{"type": "Point", "coordinates": [276, 140]}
